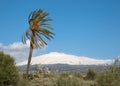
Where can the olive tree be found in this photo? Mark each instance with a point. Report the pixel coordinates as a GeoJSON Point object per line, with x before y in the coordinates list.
{"type": "Point", "coordinates": [8, 70]}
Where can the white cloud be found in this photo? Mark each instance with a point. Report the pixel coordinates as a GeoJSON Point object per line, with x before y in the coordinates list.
{"type": "Point", "coordinates": [17, 50]}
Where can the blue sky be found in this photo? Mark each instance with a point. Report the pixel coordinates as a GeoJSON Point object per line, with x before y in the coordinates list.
{"type": "Point", "coordinates": [82, 27]}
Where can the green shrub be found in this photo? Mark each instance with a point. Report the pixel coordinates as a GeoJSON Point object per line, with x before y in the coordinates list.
{"type": "Point", "coordinates": [110, 77]}
{"type": "Point", "coordinates": [22, 81]}
{"type": "Point", "coordinates": [66, 79]}
{"type": "Point", "coordinates": [91, 74]}
{"type": "Point", "coordinates": [78, 75]}
{"type": "Point", "coordinates": [8, 70]}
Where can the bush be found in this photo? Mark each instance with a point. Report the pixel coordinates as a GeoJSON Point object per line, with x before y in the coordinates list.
{"type": "Point", "coordinates": [8, 70]}
{"type": "Point", "coordinates": [78, 75]}
{"type": "Point", "coordinates": [111, 77]}
{"type": "Point", "coordinates": [66, 79]}
{"type": "Point", "coordinates": [22, 81]}
{"type": "Point", "coordinates": [91, 74]}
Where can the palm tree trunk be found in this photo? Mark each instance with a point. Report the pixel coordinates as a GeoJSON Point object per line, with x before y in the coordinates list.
{"type": "Point", "coordinates": [29, 59]}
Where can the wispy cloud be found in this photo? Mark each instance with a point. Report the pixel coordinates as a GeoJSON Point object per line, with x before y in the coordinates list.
{"type": "Point", "coordinates": [17, 50]}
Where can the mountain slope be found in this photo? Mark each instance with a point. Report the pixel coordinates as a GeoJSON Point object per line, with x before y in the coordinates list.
{"type": "Point", "coordinates": [61, 58]}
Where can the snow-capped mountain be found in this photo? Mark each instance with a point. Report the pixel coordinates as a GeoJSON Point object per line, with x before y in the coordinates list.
{"type": "Point", "coordinates": [61, 58]}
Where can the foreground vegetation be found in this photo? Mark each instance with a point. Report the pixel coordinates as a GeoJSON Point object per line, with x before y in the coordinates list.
{"type": "Point", "coordinates": [8, 71]}
{"type": "Point", "coordinates": [109, 78]}
{"type": "Point", "coordinates": [9, 76]}
{"type": "Point", "coordinates": [63, 79]}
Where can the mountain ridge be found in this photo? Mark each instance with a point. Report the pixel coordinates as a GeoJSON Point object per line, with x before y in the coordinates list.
{"type": "Point", "coordinates": [62, 58]}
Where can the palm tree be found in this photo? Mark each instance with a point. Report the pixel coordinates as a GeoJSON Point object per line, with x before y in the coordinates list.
{"type": "Point", "coordinates": [38, 30]}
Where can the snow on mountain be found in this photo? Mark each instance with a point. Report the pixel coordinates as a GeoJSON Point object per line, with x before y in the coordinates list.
{"type": "Point", "coordinates": [61, 58]}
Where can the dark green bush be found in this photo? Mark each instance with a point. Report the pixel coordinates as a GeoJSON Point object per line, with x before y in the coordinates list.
{"type": "Point", "coordinates": [91, 74]}
{"type": "Point", "coordinates": [8, 70]}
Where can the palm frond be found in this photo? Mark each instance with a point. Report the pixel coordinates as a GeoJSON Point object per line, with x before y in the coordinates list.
{"type": "Point", "coordinates": [27, 35]}
{"type": "Point", "coordinates": [29, 17]}
{"type": "Point", "coordinates": [45, 20]}
{"type": "Point", "coordinates": [47, 26]}
{"type": "Point", "coordinates": [39, 16]}
{"type": "Point", "coordinates": [39, 26]}
{"type": "Point", "coordinates": [40, 39]}
{"type": "Point", "coordinates": [48, 34]}
{"type": "Point", "coordinates": [24, 38]}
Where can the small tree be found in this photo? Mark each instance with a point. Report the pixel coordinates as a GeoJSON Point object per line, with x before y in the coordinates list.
{"type": "Point", "coordinates": [8, 70]}
{"type": "Point", "coordinates": [91, 74]}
